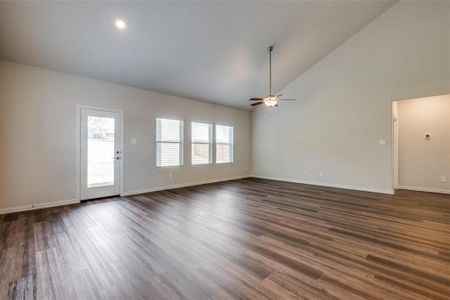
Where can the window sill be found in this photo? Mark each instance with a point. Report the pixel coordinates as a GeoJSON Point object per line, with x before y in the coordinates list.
{"type": "Point", "coordinates": [169, 167]}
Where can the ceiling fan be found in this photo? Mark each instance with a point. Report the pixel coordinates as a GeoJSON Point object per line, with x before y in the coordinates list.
{"type": "Point", "coordinates": [270, 100]}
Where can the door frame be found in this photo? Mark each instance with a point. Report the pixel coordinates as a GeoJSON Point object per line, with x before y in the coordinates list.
{"type": "Point", "coordinates": [78, 145]}
{"type": "Point", "coordinates": [394, 148]}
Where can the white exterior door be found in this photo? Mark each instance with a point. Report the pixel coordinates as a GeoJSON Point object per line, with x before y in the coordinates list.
{"type": "Point", "coordinates": [101, 153]}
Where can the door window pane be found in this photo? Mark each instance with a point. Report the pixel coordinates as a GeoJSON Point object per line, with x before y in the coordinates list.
{"type": "Point", "coordinates": [100, 152]}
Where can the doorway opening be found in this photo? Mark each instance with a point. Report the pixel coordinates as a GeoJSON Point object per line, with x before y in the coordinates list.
{"type": "Point", "coordinates": [421, 144]}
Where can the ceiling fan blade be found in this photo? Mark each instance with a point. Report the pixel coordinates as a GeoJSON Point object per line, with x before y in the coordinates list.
{"type": "Point", "coordinates": [256, 103]}
{"type": "Point", "coordinates": [279, 95]}
{"type": "Point", "coordinates": [288, 99]}
{"type": "Point", "coordinates": [256, 99]}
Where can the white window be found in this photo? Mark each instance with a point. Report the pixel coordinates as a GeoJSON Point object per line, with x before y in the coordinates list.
{"type": "Point", "coordinates": [224, 144]}
{"type": "Point", "coordinates": [201, 136]}
{"type": "Point", "coordinates": [169, 142]}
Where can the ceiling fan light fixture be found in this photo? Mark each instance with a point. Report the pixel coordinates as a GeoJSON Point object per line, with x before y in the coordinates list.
{"type": "Point", "coordinates": [270, 101]}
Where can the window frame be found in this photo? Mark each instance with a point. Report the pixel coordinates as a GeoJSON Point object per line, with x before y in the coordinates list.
{"type": "Point", "coordinates": [231, 144]}
{"type": "Point", "coordinates": [181, 142]}
{"type": "Point", "coordinates": [210, 143]}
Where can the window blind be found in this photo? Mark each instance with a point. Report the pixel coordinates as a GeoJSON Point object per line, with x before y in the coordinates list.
{"type": "Point", "coordinates": [169, 142]}
{"type": "Point", "coordinates": [201, 136]}
{"type": "Point", "coordinates": [224, 144]}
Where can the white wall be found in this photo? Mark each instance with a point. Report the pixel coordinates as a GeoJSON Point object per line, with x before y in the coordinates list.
{"type": "Point", "coordinates": [422, 162]}
{"type": "Point", "coordinates": [38, 130]}
{"type": "Point", "coordinates": [343, 105]}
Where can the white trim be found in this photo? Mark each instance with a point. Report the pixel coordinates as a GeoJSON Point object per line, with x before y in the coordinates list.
{"type": "Point", "coordinates": [175, 186]}
{"type": "Point", "coordinates": [423, 189]}
{"type": "Point", "coordinates": [78, 152]}
{"type": "Point", "coordinates": [181, 185]}
{"type": "Point", "coordinates": [334, 185]}
{"type": "Point", "coordinates": [128, 193]}
{"type": "Point", "coordinates": [394, 149]}
{"type": "Point", "coordinates": [37, 206]}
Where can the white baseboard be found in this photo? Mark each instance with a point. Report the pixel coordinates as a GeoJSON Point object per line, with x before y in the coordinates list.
{"type": "Point", "coordinates": [423, 189]}
{"type": "Point", "coordinates": [334, 185]}
{"type": "Point", "coordinates": [127, 193]}
{"type": "Point", "coordinates": [177, 186]}
{"type": "Point", "coordinates": [37, 206]}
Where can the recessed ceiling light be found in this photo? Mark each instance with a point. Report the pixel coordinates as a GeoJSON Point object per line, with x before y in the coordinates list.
{"type": "Point", "coordinates": [120, 24]}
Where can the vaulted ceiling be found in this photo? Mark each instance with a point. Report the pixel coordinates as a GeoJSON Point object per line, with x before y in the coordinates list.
{"type": "Point", "coordinates": [210, 51]}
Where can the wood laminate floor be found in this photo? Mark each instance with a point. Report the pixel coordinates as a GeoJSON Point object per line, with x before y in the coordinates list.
{"type": "Point", "coordinates": [243, 239]}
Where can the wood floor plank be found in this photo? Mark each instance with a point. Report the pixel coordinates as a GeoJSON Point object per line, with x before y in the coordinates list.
{"type": "Point", "coordinates": [242, 239]}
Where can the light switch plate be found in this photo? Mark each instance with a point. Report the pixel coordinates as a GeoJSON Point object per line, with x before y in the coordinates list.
{"type": "Point", "coordinates": [382, 142]}
{"type": "Point", "coordinates": [133, 141]}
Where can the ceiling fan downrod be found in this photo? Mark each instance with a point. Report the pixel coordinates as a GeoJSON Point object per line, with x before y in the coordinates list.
{"type": "Point", "coordinates": [270, 49]}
